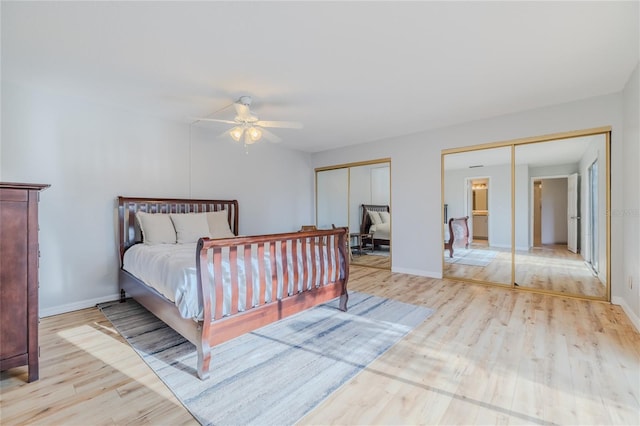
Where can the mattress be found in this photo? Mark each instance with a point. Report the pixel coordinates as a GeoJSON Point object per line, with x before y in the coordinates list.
{"type": "Point", "coordinates": [170, 269]}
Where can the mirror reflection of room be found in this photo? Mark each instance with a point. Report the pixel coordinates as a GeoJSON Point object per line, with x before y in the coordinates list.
{"type": "Point", "coordinates": [477, 232]}
{"type": "Point", "coordinates": [565, 199]}
{"type": "Point", "coordinates": [370, 215]}
{"type": "Point", "coordinates": [358, 196]}
{"type": "Point", "coordinates": [559, 214]}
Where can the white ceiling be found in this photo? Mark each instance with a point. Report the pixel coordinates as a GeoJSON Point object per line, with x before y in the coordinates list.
{"type": "Point", "coordinates": [352, 72]}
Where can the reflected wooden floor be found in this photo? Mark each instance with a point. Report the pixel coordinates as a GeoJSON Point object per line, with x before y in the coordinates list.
{"type": "Point", "coordinates": [372, 260]}
{"type": "Point", "coordinates": [551, 267]}
{"type": "Point", "coordinates": [488, 355]}
{"type": "Point", "coordinates": [555, 268]}
{"type": "Point", "coordinates": [381, 258]}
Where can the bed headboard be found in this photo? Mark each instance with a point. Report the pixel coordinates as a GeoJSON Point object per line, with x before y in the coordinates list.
{"type": "Point", "coordinates": [129, 230]}
{"type": "Point", "coordinates": [365, 222]}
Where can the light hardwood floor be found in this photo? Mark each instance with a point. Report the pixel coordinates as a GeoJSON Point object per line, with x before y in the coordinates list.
{"type": "Point", "coordinates": [488, 355]}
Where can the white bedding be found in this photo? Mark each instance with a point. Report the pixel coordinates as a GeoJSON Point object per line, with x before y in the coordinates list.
{"type": "Point", "coordinates": [381, 231]}
{"type": "Point", "coordinates": [171, 270]}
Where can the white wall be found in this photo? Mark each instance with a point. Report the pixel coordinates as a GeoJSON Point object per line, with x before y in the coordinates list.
{"type": "Point", "coordinates": [91, 153]}
{"type": "Point", "coordinates": [274, 186]}
{"type": "Point", "coordinates": [332, 198]}
{"type": "Point", "coordinates": [416, 178]}
{"type": "Point", "coordinates": [380, 185]}
{"type": "Point", "coordinates": [628, 212]}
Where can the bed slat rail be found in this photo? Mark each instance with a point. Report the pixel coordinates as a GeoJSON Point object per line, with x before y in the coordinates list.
{"type": "Point", "coordinates": [218, 326]}
{"type": "Point", "coordinates": [328, 246]}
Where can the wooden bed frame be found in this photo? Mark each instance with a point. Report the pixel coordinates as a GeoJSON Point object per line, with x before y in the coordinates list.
{"type": "Point", "coordinates": [216, 328]}
{"type": "Point", "coordinates": [365, 224]}
{"type": "Point", "coordinates": [458, 234]}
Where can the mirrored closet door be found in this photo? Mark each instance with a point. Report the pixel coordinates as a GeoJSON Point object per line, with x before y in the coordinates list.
{"type": "Point", "coordinates": [477, 222]}
{"type": "Point", "coordinates": [561, 244]}
{"type": "Point", "coordinates": [536, 212]}
{"type": "Point", "coordinates": [358, 196]}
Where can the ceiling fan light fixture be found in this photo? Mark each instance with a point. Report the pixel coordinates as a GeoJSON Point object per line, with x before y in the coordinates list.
{"type": "Point", "coordinates": [247, 139]}
{"type": "Point", "coordinates": [248, 128]}
{"type": "Point", "coordinates": [254, 133]}
{"type": "Point", "coordinates": [236, 133]}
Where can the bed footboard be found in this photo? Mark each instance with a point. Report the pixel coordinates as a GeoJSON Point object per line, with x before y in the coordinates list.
{"type": "Point", "coordinates": [293, 272]}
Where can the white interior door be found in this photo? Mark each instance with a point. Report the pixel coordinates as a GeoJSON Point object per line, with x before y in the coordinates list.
{"type": "Point", "coordinates": [592, 223]}
{"type": "Point", "coordinates": [573, 214]}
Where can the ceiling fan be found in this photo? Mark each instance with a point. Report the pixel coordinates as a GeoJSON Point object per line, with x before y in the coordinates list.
{"type": "Point", "coordinates": [248, 127]}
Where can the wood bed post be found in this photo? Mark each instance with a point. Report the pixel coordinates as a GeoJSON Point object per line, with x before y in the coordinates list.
{"type": "Point", "coordinates": [449, 244]}
{"type": "Point", "coordinates": [204, 298]}
{"type": "Point", "coordinates": [344, 268]}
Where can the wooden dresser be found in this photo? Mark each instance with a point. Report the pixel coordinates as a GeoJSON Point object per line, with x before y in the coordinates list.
{"type": "Point", "coordinates": [19, 254]}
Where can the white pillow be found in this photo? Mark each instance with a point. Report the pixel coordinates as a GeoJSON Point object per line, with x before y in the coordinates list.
{"type": "Point", "coordinates": [385, 216]}
{"type": "Point", "coordinates": [190, 226]}
{"type": "Point", "coordinates": [375, 218]}
{"type": "Point", "coordinates": [156, 228]}
{"type": "Point", "coordinates": [219, 225]}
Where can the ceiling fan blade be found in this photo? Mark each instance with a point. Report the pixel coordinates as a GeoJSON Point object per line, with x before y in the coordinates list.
{"type": "Point", "coordinates": [270, 136]}
{"type": "Point", "coordinates": [280, 124]}
{"type": "Point", "coordinates": [214, 119]}
{"type": "Point", "coordinates": [224, 134]}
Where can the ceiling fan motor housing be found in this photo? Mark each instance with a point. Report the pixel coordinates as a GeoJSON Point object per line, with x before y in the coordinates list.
{"type": "Point", "coordinates": [245, 100]}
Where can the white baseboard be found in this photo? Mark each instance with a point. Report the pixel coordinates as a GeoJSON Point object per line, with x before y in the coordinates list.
{"type": "Point", "coordinates": [627, 310]}
{"type": "Point", "coordinates": [75, 306]}
{"type": "Point", "coordinates": [418, 272]}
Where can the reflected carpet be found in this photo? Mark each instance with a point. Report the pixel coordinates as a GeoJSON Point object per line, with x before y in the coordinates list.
{"type": "Point", "coordinates": [278, 373]}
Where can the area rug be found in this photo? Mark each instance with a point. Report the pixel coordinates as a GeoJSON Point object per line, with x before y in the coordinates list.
{"type": "Point", "coordinates": [471, 257]}
{"type": "Point", "coordinates": [278, 373]}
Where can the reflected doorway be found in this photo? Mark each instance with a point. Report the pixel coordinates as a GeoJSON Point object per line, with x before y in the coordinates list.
{"type": "Point", "coordinates": [479, 214]}
{"type": "Point", "coordinates": [551, 212]}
